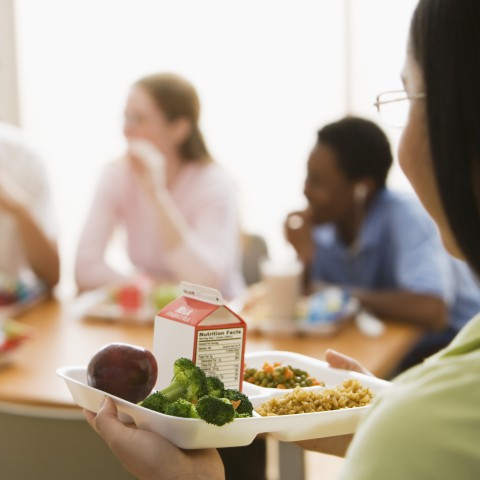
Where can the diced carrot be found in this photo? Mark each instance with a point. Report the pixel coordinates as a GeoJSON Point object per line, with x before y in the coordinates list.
{"type": "Point", "coordinates": [281, 385]}
{"type": "Point", "coordinates": [288, 373]}
{"type": "Point", "coordinates": [267, 368]}
{"type": "Point", "coordinates": [235, 403]}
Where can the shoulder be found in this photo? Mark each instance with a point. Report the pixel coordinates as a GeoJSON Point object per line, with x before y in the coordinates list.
{"type": "Point", "coordinates": [208, 171]}
{"type": "Point", "coordinates": [429, 416]}
{"type": "Point", "coordinates": [404, 210]}
{"type": "Point", "coordinates": [15, 146]}
{"type": "Point", "coordinates": [114, 171]}
{"type": "Point", "coordinates": [209, 177]}
{"type": "Point", "coordinates": [20, 160]}
{"type": "Point", "coordinates": [12, 135]}
{"type": "Point", "coordinates": [398, 202]}
{"type": "Point", "coordinates": [113, 182]}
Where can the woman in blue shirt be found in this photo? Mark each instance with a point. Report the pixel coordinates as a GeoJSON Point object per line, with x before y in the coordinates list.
{"type": "Point", "coordinates": [377, 243]}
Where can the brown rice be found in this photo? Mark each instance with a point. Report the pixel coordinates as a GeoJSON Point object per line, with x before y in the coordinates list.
{"type": "Point", "coordinates": [348, 395]}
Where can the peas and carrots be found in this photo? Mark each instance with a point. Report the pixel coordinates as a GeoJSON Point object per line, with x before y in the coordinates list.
{"type": "Point", "coordinates": [277, 376]}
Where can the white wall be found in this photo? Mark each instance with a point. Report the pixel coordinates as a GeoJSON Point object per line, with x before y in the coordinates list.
{"type": "Point", "coordinates": [269, 74]}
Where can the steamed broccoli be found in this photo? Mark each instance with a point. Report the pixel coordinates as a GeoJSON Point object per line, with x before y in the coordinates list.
{"type": "Point", "coordinates": [217, 411]}
{"type": "Point", "coordinates": [242, 415]}
{"type": "Point", "coordinates": [156, 401]}
{"type": "Point", "coordinates": [245, 406]}
{"type": "Point", "coordinates": [189, 382]}
{"type": "Point", "coordinates": [215, 387]}
{"type": "Point", "coordinates": [181, 408]}
{"type": "Point", "coordinates": [192, 394]}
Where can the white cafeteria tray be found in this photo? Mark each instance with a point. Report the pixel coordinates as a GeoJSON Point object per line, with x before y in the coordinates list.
{"type": "Point", "coordinates": [194, 433]}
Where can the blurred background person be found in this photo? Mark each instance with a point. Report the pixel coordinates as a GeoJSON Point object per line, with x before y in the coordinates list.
{"type": "Point", "coordinates": [28, 249]}
{"type": "Point", "coordinates": [378, 244]}
{"type": "Point", "coordinates": [177, 206]}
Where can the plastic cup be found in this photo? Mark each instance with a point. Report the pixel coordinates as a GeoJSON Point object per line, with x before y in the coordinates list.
{"type": "Point", "coordinates": [282, 281]}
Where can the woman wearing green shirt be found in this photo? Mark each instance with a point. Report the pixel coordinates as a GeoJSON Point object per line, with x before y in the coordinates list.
{"type": "Point", "coordinates": [427, 424]}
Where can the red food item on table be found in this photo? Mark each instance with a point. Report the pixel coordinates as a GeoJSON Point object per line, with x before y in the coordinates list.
{"type": "Point", "coordinates": [130, 297]}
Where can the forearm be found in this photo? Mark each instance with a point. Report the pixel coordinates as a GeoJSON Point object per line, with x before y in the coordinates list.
{"type": "Point", "coordinates": [425, 310]}
{"type": "Point", "coordinates": [41, 252]}
{"type": "Point", "coordinates": [199, 263]}
{"type": "Point", "coordinates": [91, 273]}
{"type": "Point", "coordinates": [203, 253]}
{"type": "Point", "coordinates": [172, 223]}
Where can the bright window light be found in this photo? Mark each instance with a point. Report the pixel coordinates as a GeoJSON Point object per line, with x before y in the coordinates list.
{"type": "Point", "coordinates": [269, 74]}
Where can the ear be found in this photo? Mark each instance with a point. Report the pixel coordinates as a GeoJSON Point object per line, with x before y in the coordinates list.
{"type": "Point", "coordinates": [181, 128]}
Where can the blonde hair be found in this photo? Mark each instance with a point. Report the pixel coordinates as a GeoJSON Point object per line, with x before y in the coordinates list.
{"type": "Point", "coordinates": [177, 98]}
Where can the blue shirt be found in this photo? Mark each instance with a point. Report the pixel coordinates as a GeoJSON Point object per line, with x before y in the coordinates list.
{"type": "Point", "coordinates": [398, 248]}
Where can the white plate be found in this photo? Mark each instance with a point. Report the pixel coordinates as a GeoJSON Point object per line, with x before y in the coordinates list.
{"type": "Point", "coordinates": [193, 433]}
{"type": "Point", "coordinates": [258, 320]}
{"type": "Point", "coordinates": [96, 304]}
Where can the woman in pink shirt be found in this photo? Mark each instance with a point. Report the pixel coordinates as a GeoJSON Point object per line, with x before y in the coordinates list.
{"type": "Point", "coordinates": [177, 206]}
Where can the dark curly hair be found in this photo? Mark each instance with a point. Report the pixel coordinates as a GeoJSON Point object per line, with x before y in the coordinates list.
{"type": "Point", "coordinates": [362, 148]}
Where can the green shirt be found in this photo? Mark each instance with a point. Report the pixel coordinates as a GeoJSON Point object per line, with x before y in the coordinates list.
{"type": "Point", "coordinates": [427, 424]}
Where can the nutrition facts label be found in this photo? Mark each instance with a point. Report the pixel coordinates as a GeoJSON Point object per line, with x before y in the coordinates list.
{"type": "Point", "coordinates": [219, 353]}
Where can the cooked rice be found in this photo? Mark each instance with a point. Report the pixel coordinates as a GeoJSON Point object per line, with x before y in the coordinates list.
{"type": "Point", "coordinates": [348, 395]}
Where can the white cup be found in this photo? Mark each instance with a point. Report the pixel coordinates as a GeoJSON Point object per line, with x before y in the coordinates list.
{"type": "Point", "coordinates": [283, 280]}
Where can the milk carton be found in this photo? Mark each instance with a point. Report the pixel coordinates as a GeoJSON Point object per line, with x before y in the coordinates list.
{"type": "Point", "coordinates": [198, 326]}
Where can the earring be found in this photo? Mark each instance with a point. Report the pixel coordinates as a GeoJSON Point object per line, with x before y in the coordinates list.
{"type": "Point", "coordinates": [360, 192]}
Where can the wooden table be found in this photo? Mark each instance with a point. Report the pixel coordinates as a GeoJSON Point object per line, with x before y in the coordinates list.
{"type": "Point", "coordinates": [60, 339]}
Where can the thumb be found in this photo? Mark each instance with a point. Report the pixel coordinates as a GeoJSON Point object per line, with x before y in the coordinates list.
{"type": "Point", "coordinates": [106, 421]}
{"type": "Point", "coordinates": [339, 360]}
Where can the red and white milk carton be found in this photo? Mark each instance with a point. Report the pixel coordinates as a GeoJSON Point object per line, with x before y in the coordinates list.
{"type": "Point", "coordinates": [199, 326]}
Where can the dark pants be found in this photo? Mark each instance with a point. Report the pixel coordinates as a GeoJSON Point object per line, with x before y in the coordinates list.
{"type": "Point", "coordinates": [245, 463]}
{"type": "Point", "coordinates": [428, 345]}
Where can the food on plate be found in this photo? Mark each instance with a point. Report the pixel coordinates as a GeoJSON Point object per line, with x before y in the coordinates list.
{"type": "Point", "coordinates": [143, 293]}
{"type": "Point", "coordinates": [351, 393]}
{"type": "Point", "coordinates": [8, 289]}
{"type": "Point", "coordinates": [12, 334]}
{"type": "Point", "coordinates": [7, 298]}
{"type": "Point", "coordinates": [13, 290]}
{"type": "Point", "coordinates": [215, 410]}
{"type": "Point", "coordinates": [278, 376]}
{"type": "Point", "coordinates": [129, 297]}
{"type": "Point", "coordinates": [193, 394]}
{"type": "Point", "coordinates": [327, 305]}
{"type": "Point", "coordinates": [244, 406]}
{"type": "Point", "coordinates": [163, 294]}
{"type": "Point", "coordinates": [124, 370]}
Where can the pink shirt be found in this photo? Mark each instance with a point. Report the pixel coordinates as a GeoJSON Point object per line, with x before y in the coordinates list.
{"type": "Point", "coordinates": [210, 253]}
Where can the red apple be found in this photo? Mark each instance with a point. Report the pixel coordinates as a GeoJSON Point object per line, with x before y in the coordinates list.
{"type": "Point", "coordinates": [126, 371]}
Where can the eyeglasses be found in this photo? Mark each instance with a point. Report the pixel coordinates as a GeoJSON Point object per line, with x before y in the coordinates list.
{"type": "Point", "coordinates": [392, 107]}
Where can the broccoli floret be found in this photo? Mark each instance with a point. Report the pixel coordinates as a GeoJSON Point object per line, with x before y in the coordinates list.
{"type": "Point", "coordinates": [215, 387]}
{"type": "Point", "coordinates": [217, 411]}
{"type": "Point", "coordinates": [245, 406]}
{"type": "Point", "coordinates": [242, 415]}
{"type": "Point", "coordinates": [181, 408]}
{"type": "Point", "coordinates": [189, 382]}
{"type": "Point", "coordinates": [155, 401]}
